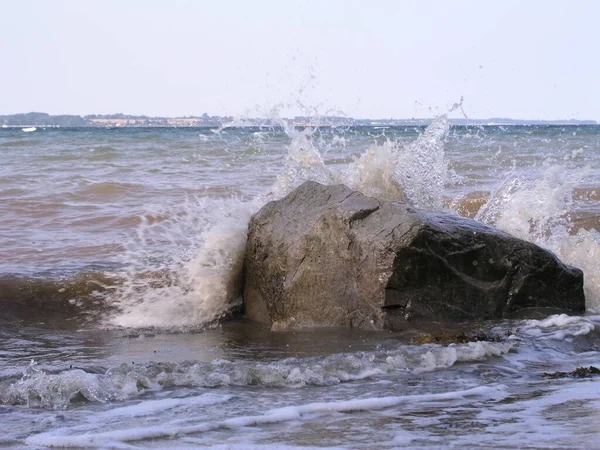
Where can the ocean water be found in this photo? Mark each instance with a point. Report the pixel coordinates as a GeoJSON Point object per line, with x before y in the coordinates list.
{"type": "Point", "coordinates": [120, 251]}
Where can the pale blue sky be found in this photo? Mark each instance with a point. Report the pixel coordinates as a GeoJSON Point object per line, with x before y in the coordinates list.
{"type": "Point", "coordinates": [377, 58]}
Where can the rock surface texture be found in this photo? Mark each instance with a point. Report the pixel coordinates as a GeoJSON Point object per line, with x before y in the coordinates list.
{"type": "Point", "coordinates": [330, 256]}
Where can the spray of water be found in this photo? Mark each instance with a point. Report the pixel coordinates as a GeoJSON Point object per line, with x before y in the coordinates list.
{"type": "Point", "coordinates": [193, 287]}
{"type": "Point", "coordinates": [200, 283]}
{"type": "Point", "coordinates": [538, 209]}
{"type": "Point", "coordinates": [303, 162]}
{"type": "Point", "coordinates": [415, 173]}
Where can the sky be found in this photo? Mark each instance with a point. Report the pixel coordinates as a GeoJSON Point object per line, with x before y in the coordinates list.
{"type": "Point", "coordinates": [365, 59]}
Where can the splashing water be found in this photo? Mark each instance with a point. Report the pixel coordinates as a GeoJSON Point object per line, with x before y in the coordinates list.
{"type": "Point", "coordinates": [538, 210]}
{"type": "Point", "coordinates": [373, 173]}
{"type": "Point", "coordinates": [58, 391]}
{"type": "Point", "coordinates": [424, 170]}
{"type": "Point", "coordinates": [197, 286]}
{"type": "Point", "coordinates": [303, 162]}
{"type": "Point", "coordinates": [200, 284]}
{"type": "Point", "coordinates": [191, 289]}
{"type": "Point", "coordinates": [416, 172]}
{"type": "Point", "coordinates": [535, 209]}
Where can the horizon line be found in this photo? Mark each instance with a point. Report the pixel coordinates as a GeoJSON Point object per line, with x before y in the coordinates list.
{"type": "Point", "coordinates": [205, 116]}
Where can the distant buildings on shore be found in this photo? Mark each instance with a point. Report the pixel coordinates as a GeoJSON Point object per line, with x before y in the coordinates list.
{"type": "Point", "coordinates": [123, 120]}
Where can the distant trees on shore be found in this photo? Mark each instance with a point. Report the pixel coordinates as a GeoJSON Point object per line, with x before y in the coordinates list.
{"type": "Point", "coordinates": [38, 118]}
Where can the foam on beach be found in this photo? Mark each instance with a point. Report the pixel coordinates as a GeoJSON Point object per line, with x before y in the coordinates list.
{"type": "Point", "coordinates": [41, 388]}
{"type": "Point", "coordinates": [63, 438]}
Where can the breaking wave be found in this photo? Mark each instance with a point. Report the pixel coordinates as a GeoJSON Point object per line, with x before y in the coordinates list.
{"type": "Point", "coordinates": [58, 390]}
{"type": "Point", "coordinates": [194, 287]}
{"type": "Point", "coordinates": [197, 280]}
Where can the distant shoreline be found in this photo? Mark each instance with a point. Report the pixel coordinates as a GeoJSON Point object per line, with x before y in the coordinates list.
{"type": "Point", "coordinates": [35, 119]}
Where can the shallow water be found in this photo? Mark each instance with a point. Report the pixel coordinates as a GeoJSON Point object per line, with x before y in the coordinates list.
{"type": "Point", "coordinates": [242, 386]}
{"type": "Point", "coordinates": [118, 247]}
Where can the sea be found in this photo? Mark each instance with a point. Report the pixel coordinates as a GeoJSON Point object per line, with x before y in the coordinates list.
{"type": "Point", "coordinates": [118, 330]}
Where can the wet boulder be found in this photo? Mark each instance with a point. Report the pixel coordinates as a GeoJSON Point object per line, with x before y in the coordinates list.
{"type": "Point", "coordinates": [330, 256]}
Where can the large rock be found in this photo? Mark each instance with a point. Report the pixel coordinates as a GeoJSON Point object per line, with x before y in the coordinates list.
{"type": "Point", "coordinates": [330, 256]}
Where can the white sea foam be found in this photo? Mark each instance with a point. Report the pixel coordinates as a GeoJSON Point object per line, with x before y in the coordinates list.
{"type": "Point", "coordinates": [196, 284]}
{"type": "Point", "coordinates": [152, 407]}
{"type": "Point", "coordinates": [424, 169]}
{"type": "Point", "coordinates": [55, 391]}
{"type": "Point", "coordinates": [59, 390]}
{"type": "Point", "coordinates": [374, 172]}
{"type": "Point", "coordinates": [565, 416]}
{"type": "Point", "coordinates": [263, 446]}
{"type": "Point", "coordinates": [415, 172]}
{"type": "Point", "coordinates": [443, 357]}
{"type": "Point", "coordinates": [303, 162]}
{"type": "Point", "coordinates": [285, 414]}
{"type": "Point", "coordinates": [559, 327]}
{"type": "Point", "coordinates": [537, 209]}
